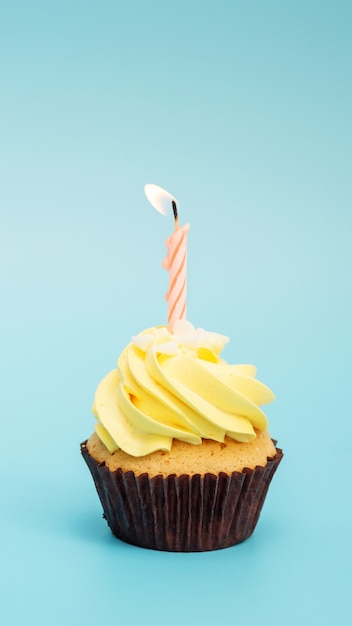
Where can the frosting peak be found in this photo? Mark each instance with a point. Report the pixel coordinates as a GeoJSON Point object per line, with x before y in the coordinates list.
{"type": "Point", "coordinates": [177, 386]}
{"type": "Point", "coordinates": [184, 335]}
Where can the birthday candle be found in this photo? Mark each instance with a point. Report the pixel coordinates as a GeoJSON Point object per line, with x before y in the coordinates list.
{"type": "Point", "coordinates": [176, 259]}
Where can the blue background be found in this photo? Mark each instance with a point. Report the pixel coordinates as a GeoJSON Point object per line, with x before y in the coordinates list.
{"type": "Point", "coordinates": [242, 109]}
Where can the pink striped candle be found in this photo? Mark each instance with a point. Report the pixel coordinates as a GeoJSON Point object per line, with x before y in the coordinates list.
{"type": "Point", "coordinates": [176, 259]}
{"type": "Point", "coordinates": [176, 263]}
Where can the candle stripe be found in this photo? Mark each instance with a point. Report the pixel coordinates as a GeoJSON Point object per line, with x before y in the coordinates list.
{"type": "Point", "coordinates": [177, 248]}
{"type": "Point", "coordinates": [177, 310]}
{"type": "Point", "coordinates": [174, 279]}
{"type": "Point", "coordinates": [176, 261]}
{"type": "Point", "coordinates": [171, 262]}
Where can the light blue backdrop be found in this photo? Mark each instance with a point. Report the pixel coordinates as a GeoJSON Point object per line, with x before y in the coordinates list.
{"type": "Point", "coordinates": [243, 111]}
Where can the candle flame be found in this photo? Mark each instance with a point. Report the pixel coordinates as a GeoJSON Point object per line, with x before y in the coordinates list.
{"type": "Point", "coordinates": [160, 199]}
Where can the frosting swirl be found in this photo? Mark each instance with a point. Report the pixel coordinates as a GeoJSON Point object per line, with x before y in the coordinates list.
{"type": "Point", "coordinates": [176, 385]}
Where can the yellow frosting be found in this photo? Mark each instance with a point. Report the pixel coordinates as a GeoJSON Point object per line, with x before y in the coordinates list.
{"type": "Point", "coordinates": [176, 385]}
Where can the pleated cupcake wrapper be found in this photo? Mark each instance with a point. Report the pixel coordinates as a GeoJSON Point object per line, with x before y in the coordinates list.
{"type": "Point", "coordinates": [182, 513]}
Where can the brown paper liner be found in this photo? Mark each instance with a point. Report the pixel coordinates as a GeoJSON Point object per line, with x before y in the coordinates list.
{"type": "Point", "coordinates": [182, 513]}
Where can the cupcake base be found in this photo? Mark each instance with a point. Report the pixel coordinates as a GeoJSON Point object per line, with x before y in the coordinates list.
{"type": "Point", "coordinates": [182, 513]}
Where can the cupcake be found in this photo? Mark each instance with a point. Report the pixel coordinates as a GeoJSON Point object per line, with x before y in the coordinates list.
{"type": "Point", "coordinates": [181, 456]}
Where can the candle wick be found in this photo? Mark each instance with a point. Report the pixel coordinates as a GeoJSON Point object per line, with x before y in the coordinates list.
{"type": "Point", "coordinates": [174, 208]}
